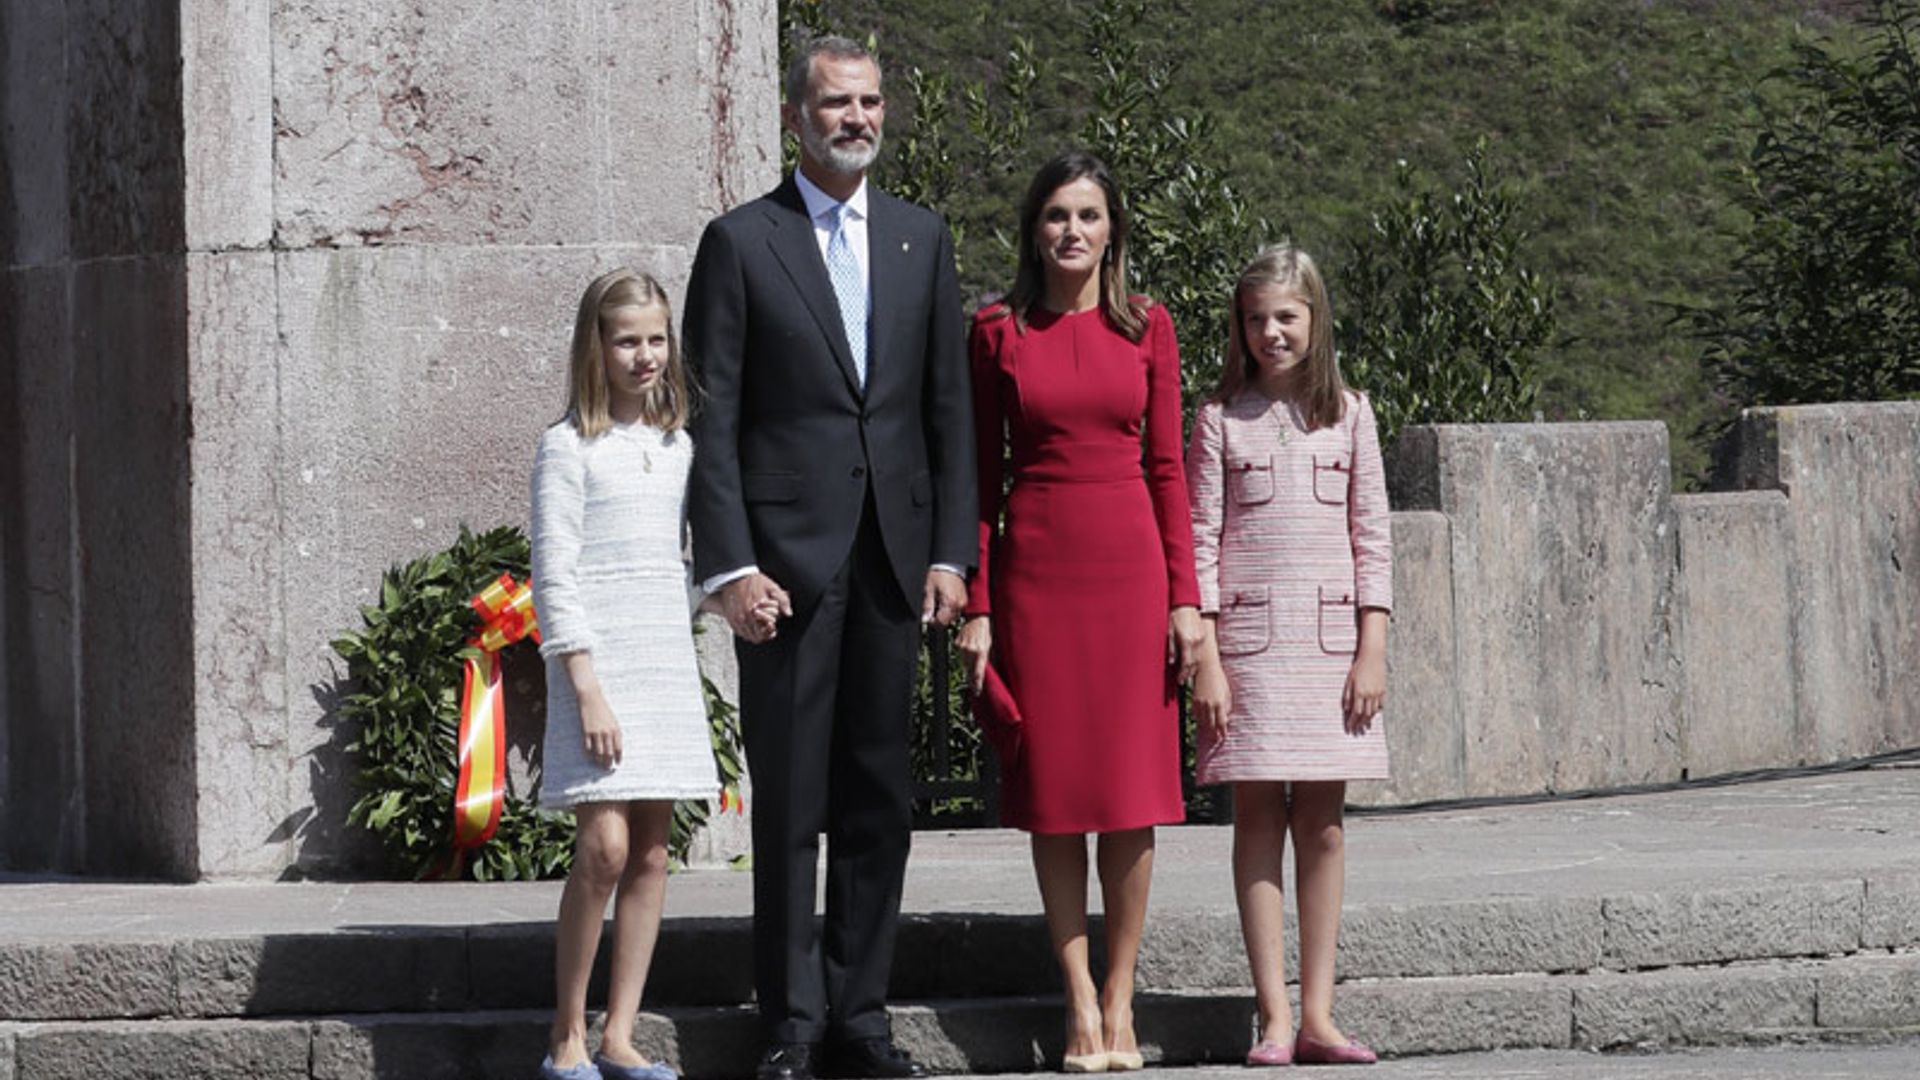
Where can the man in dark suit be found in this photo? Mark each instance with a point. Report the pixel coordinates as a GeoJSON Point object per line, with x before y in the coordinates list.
{"type": "Point", "coordinates": [833, 510]}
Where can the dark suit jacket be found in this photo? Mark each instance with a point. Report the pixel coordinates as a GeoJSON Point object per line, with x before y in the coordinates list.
{"type": "Point", "coordinates": [785, 443]}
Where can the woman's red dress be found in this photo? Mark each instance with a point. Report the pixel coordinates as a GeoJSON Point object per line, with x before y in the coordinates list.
{"type": "Point", "coordinates": [1097, 549]}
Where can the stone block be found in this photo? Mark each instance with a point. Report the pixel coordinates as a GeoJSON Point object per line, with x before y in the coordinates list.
{"type": "Point", "coordinates": [1849, 472]}
{"type": "Point", "coordinates": [1683, 1007]}
{"type": "Point", "coordinates": [6, 1053]}
{"type": "Point", "coordinates": [1736, 634]}
{"type": "Point", "coordinates": [136, 573]}
{"type": "Point", "coordinates": [1657, 930]}
{"type": "Point", "coordinates": [421, 969]}
{"type": "Point", "coordinates": [1424, 736]}
{"type": "Point", "coordinates": [1892, 915]}
{"type": "Point", "coordinates": [85, 981]}
{"type": "Point", "coordinates": [1475, 937]}
{"type": "Point", "coordinates": [408, 124]}
{"type": "Point", "coordinates": [227, 101]}
{"type": "Point", "coordinates": [1874, 993]}
{"type": "Point", "coordinates": [44, 818]}
{"type": "Point", "coordinates": [457, 1046]}
{"type": "Point", "coordinates": [33, 218]}
{"type": "Point", "coordinates": [243, 767]}
{"type": "Point", "coordinates": [154, 1050]}
{"type": "Point", "coordinates": [1187, 950]}
{"type": "Point", "coordinates": [1563, 589]}
{"type": "Point", "coordinates": [126, 143]}
{"type": "Point", "coordinates": [1446, 1016]}
{"type": "Point", "coordinates": [1007, 955]}
{"type": "Point", "coordinates": [413, 387]}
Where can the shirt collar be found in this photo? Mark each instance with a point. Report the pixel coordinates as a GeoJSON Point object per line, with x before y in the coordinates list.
{"type": "Point", "coordinates": [819, 202]}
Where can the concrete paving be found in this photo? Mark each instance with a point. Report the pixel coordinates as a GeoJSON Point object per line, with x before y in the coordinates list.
{"type": "Point", "coordinates": [1808, 831]}
{"type": "Point", "coordinates": [1896, 1062]}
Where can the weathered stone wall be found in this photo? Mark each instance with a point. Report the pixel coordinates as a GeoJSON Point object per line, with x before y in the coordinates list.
{"type": "Point", "coordinates": [1565, 623]}
{"type": "Point", "coordinates": [288, 291]}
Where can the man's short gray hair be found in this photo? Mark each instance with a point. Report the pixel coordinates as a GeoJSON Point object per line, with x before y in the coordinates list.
{"type": "Point", "coordinates": [801, 69]}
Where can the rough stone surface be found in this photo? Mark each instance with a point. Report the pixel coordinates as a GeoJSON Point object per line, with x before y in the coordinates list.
{"type": "Point", "coordinates": [244, 767]}
{"type": "Point", "coordinates": [40, 749]}
{"type": "Point", "coordinates": [1712, 926]}
{"type": "Point", "coordinates": [1871, 992]}
{"type": "Point", "coordinates": [1892, 916]}
{"type": "Point", "coordinates": [1735, 629]}
{"type": "Point", "coordinates": [435, 1047]}
{"type": "Point", "coordinates": [1685, 1007]}
{"type": "Point", "coordinates": [1447, 1016]}
{"type": "Point", "coordinates": [1849, 472]}
{"type": "Point", "coordinates": [1563, 588]}
{"type": "Point", "coordinates": [410, 124]}
{"type": "Point", "coordinates": [6, 1054]}
{"type": "Point", "coordinates": [418, 970]}
{"type": "Point", "coordinates": [136, 582]}
{"type": "Point", "coordinates": [1472, 937]}
{"type": "Point", "coordinates": [227, 93]}
{"type": "Point", "coordinates": [33, 93]}
{"type": "Point", "coordinates": [1422, 719]}
{"type": "Point", "coordinates": [125, 141]}
{"type": "Point", "coordinates": [83, 981]}
{"type": "Point", "coordinates": [205, 1050]}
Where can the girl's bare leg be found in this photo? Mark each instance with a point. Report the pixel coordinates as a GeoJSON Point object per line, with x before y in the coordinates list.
{"type": "Point", "coordinates": [1320, 873]}
{"type": "Point", "coordinates": [599, 858]}
{"type": "Point", "coordinates": [1259, 849]}
{"type": "Point", "coordinates": [636, 924]}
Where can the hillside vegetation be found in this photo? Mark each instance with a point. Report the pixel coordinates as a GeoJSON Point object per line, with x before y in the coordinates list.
{"type": "Point", "coordinates": [1616, 121]}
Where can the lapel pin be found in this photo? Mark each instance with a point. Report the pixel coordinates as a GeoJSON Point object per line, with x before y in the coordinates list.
{"type": "Point", "coordinates": [906, 245]}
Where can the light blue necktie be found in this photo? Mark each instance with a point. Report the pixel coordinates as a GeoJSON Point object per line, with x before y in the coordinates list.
{"type": "Point", "coordinates": [848, 288]}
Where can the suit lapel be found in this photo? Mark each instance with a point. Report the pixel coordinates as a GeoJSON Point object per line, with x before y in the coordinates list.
{"type": "Point", "coordinates": [798, 252]}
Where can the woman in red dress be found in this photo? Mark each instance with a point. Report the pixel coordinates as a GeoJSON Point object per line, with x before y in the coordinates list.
{"type": "Point", "coordinates": [1086, 602]}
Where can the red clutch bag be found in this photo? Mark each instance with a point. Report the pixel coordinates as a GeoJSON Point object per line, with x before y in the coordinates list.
{"type": "Point", "coordinates": [999, 717]}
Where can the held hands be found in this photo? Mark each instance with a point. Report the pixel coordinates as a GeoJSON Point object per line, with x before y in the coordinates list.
{"type": "Point", "coordinates": [753, 606]}
{"type": "Point", "coordinates": [975, 643]}
{"type": "Point", "coordinates": [943, 598]}
{"type": "Point", "coordinates": [1186, 633]}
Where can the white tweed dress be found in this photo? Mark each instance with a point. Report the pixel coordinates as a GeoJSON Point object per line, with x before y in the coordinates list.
{"type": "Point", "coordinates": [608, 519]}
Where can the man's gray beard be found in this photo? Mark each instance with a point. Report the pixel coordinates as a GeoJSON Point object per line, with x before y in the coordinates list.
{"type": "Point", "coordinates": [841, 162]}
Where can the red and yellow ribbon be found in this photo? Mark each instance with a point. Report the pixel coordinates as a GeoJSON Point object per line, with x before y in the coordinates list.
{"type": "Point", "coordinates": [506, 615]}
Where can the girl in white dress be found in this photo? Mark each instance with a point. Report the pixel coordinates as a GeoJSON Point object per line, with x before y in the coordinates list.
{"type": "Point", "coordinates": [626, 721]}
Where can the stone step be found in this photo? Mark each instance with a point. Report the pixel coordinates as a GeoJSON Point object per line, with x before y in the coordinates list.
{"type": "Point", "coordinates": [708, 961]}
{"type": "Point", "coordinates": [1855, 998]}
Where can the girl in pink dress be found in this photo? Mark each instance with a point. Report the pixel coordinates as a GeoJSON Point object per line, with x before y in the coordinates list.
{"type": "Point", "coordinates": [1293, 550]}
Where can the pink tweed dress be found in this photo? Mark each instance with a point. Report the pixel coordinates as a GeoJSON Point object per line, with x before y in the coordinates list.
{"type": "Point", "coordinates": [1292, 537]}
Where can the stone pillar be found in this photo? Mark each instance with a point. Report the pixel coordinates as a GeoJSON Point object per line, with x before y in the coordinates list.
{"type": "Point", "coordinates": [288, 299]}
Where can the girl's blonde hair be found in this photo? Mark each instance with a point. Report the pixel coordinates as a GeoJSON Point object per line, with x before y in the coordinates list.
{"type": "Point", "coordinates": [1325, 399]}
{"type": "Point", "coordinates": [667, 401]}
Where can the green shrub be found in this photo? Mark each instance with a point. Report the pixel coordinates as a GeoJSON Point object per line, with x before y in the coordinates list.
{"type": "Point", "coordinates": [1437, 315]}
{"type": "Point", "coordinates": [1825, 303]}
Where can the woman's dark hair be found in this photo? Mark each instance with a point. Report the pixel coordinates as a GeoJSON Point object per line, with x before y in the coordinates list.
{"type": "Point", "coordinates": [1122, 310]}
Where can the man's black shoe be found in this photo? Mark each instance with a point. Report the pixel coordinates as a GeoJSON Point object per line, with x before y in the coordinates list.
{"type": "Point", "coordinates": [871, 1059]}
{"type": "Point", "coordinates": [786, 1061]}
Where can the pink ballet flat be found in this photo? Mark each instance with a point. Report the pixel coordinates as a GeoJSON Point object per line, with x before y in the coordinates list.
{"type": "Point", "coordinates": [1266, 1054]}
{"type": "Point", "coordinates": [1308, 1051]}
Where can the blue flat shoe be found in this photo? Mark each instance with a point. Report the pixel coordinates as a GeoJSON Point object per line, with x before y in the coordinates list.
{"type": "Point", "coordinates": [655, 1071]}
{"type": "Point", "coordinates": [583, 1071]}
